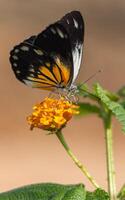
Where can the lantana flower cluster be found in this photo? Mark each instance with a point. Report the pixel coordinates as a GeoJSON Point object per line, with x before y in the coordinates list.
{"type": "Point", "coordinates": [52, 114]}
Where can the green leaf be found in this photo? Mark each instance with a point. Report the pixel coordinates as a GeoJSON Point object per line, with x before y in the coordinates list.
{"type": "Point", "coordinates": [121, 92]}
{"type": "Point", "coordinates": [51, 191]}
{"type": "Point", "coordinates": [46, 191]}
{"type": "Point", "coordinates": [121, 194]}
{"type": "Point", "coordinates": [122, 104]}
{"type": "Point", "coordinates": [84, 91]}
{"type": "Point", "coordinates": [115, 107]}
{"type": "Point", "coordinates": [87, 108]}
{"type": "Point", "coordinates": [98, 194]}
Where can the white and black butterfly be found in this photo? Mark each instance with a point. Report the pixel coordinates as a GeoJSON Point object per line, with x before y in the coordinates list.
{"type": "Point", "coordinates": [52, 58]}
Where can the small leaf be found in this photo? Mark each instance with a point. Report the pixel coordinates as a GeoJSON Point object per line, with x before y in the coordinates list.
{"type": "Point", "coordinates": [122, 104]}
{"type": "Point", "coordinates": [83, 87]}
{"type": "Point", "coordinates": [121, 92]}
{"type": "Point", "coordinates": [87, 108]}
{"type": "Point", "coordinates": [98, 194]}
{"type": "Point", "coordinates": [46, 191]}
{"type": "Point", "coordinates": [121, 194]}
{"type": "Point", "coordinates": [84, 91]}
{"type": "Point", "coordinates": [115, 107]}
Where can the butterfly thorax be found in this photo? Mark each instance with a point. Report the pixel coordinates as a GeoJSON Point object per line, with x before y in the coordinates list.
{"type": "Point", "coordinates": [68, 93]}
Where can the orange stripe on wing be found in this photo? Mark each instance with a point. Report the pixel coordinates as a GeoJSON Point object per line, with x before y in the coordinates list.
{"type": "Point", "coordinates": [45, 71]}
{"type": "Point", "coordinates": [42, 80]}
{"type": "Point", "coordinates": [57, 73]}
{"type": "Point", "coordinates": [64, 70]}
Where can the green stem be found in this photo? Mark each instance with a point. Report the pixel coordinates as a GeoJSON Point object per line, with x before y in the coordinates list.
{"type": "Point", "coordinates": [110, 159]}
{"type": "Point", "coordinates": [76, 161]}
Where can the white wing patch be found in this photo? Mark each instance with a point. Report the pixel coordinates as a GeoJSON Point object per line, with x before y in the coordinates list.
{"type": "Point", "coordinates": [24, 48]}
{"type": "Point", "coordinates": [77, 56]}
{"type": "Point", "coordinates": [31, 75]}
{"type": "Point", "coordinates": [15, 57]}
{"type": "Point", "coordinates": [67, 21]}
{"type": "Point", "coordinates": [39, 52]}
{"type": "Point", "coordinates": [15, 64]}
{"type": "Point", "coordinates": [75, 23]}
{"type": "Point", "coordinates": [16, 51]}
{"type": "Point", "coordinates": [53, 30]}
{"type": "Point", "coordinates": [31, 70]}
{"type": "Point", "coordinates": [60, 33]}
{"type": "Point", "coordinates": [18, 71]}
{"type": "Point", "coordinates": [29, 83]}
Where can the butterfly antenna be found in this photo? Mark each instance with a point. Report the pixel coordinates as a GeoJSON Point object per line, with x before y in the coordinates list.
{"type": "Point", "coordinates": [92, 76]}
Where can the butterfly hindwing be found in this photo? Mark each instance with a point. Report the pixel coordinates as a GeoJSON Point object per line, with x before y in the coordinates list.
{"type": "Point", "coordinates": [36, 68]}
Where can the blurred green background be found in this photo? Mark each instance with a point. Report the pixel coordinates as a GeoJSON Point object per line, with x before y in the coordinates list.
{"type": "Point", "coordinates": [30, 157]}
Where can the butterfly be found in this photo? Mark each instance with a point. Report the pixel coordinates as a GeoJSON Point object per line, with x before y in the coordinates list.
{"type": "Point", "coordinates": [52, 58]}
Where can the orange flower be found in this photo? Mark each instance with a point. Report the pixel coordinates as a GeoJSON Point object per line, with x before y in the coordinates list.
{"type": "Point", "coordinates": [52, 114]}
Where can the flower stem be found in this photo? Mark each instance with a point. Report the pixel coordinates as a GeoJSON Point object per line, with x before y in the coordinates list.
{"type": "Point", "coordinates": [110, 159]}
{"type": "Point", "coordinates": [76, 161]}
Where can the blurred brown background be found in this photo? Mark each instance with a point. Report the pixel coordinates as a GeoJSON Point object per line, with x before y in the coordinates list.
{"type": "Point", "coordinates": [30, 157]}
